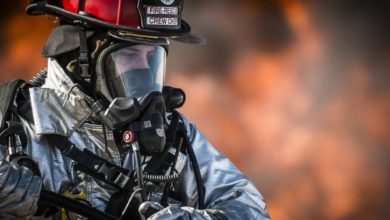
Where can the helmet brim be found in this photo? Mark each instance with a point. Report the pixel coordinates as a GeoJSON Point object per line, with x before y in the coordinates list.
{"type": "Point", "coordinates": [190, 39]}
{"type": "Point", "coordinates": [142, 39]}
{"type": "Point", "coordinates": [138, 38]}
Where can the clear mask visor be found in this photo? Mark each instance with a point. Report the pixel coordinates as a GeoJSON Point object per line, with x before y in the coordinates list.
{"type": "Point", "coordinates": [135, 71]}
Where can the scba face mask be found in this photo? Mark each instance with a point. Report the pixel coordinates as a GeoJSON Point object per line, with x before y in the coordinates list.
{"type": "Point", "coordinates": [131, 77]}
{"type": "Point", "coordinates": [128, 70]}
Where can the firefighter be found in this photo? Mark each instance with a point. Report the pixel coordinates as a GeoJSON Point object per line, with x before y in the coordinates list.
{"type": "Point", "coordinates": [100, 129]}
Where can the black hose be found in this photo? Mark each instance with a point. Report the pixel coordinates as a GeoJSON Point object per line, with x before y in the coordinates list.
{"type": "Point", "coordinates": [140, 178]}
{"type": "Point", "coordinates": [161, 178]}
{"type": "Point", "coordinates": [198, 177]}
{"type": "Point", "coordinates": [39, 79]}
{"type": "Point", "coordinates": [74, 206]}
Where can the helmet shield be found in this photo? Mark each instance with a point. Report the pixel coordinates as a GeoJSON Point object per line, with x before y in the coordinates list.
{"type": "Point", "coordinates": [133, 70]}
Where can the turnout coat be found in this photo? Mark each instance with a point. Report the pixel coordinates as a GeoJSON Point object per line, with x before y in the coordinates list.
{"type": "Point", "coordinates": [58, 107]}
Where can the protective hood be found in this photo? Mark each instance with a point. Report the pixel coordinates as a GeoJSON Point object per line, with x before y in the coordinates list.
{"type": "Point", "coordinates": [63, 38]}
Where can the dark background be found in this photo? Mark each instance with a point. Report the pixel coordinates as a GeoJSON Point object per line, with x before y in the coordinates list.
{"type": "Point", "coordinates": [296, 93]}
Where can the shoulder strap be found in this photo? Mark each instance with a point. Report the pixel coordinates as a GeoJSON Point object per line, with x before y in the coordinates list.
{"type": "Point", "coordinates": [8, 92]}
{"type": "Point", "coordinates": [91, 164]}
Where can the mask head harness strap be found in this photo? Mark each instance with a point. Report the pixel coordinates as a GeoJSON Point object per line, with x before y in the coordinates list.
{"type": "Point", "coordinates": [83, 62]}
{"type": "Point", "coordinates": [83, 57]}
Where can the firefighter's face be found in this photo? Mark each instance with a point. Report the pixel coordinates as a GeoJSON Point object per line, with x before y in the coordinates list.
{"type": "Point", "coordinates": [135, 70]}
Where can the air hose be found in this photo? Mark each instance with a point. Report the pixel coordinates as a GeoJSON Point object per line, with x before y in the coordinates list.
{"type": "Point", "coordinates": [198, 176]}
{"type": "Point", "coordinates": [161, 178]}
{"type": "Point", "coordinates": [39, 79]}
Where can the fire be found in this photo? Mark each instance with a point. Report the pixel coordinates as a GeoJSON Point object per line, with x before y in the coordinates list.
{"type": "Point", "coordinates": [308, 142]}
{"type": "Point", "coordinates": [306, 123]}
{"type": "Point", "coordinates": [25, 38]}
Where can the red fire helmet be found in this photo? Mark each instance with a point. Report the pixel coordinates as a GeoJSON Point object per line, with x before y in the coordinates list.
{"type": "Point", "coordinates": [159, 18]}
{"type": "Point", "coordinates": [116, 12]}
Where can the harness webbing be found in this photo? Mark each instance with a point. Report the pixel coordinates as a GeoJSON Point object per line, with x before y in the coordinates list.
{"type": "Point", "coordinates": [91, 164]}
{"type": "Point", "coordinates": [8, 92]}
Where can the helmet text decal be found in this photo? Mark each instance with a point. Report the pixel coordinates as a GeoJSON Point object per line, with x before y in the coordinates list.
{"type": "Point", "coordinates": [151, 10]}
{"type": "Point", "coordinates": [161, 14]}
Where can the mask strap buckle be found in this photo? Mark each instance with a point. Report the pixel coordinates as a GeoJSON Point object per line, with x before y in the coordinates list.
{"type": "Point", "coordinates": [83, 57]}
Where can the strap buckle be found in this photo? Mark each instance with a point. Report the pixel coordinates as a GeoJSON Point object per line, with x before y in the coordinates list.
{"type": "Point", "coordinates": [112, 175]}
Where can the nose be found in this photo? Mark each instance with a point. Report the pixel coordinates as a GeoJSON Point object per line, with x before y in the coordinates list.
{"type": "Point", "coordinates": [143, 62]}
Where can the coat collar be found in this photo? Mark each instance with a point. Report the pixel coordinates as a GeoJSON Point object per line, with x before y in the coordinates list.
{"type": "Point", "coordinates": [58, 106]}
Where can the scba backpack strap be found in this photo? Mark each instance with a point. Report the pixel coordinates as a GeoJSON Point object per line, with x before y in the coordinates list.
{"type": "Point", "coordinates": [12, 133]}
{"type": "Point", "coordinates": [11, 130]}
{"type": "Point", "coordinates": [8, 93]}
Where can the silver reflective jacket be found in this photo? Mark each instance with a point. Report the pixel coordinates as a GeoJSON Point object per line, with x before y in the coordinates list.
{"type": "Point", "coordinates": [58, 107]}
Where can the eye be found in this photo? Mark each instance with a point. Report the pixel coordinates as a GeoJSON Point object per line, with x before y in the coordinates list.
{"type": "Point", "coordinates": [130, 55]}
{"type": "Point", "coordinates": [150, 55]}
{"type": "Point", "coordinates": [127, 54]}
